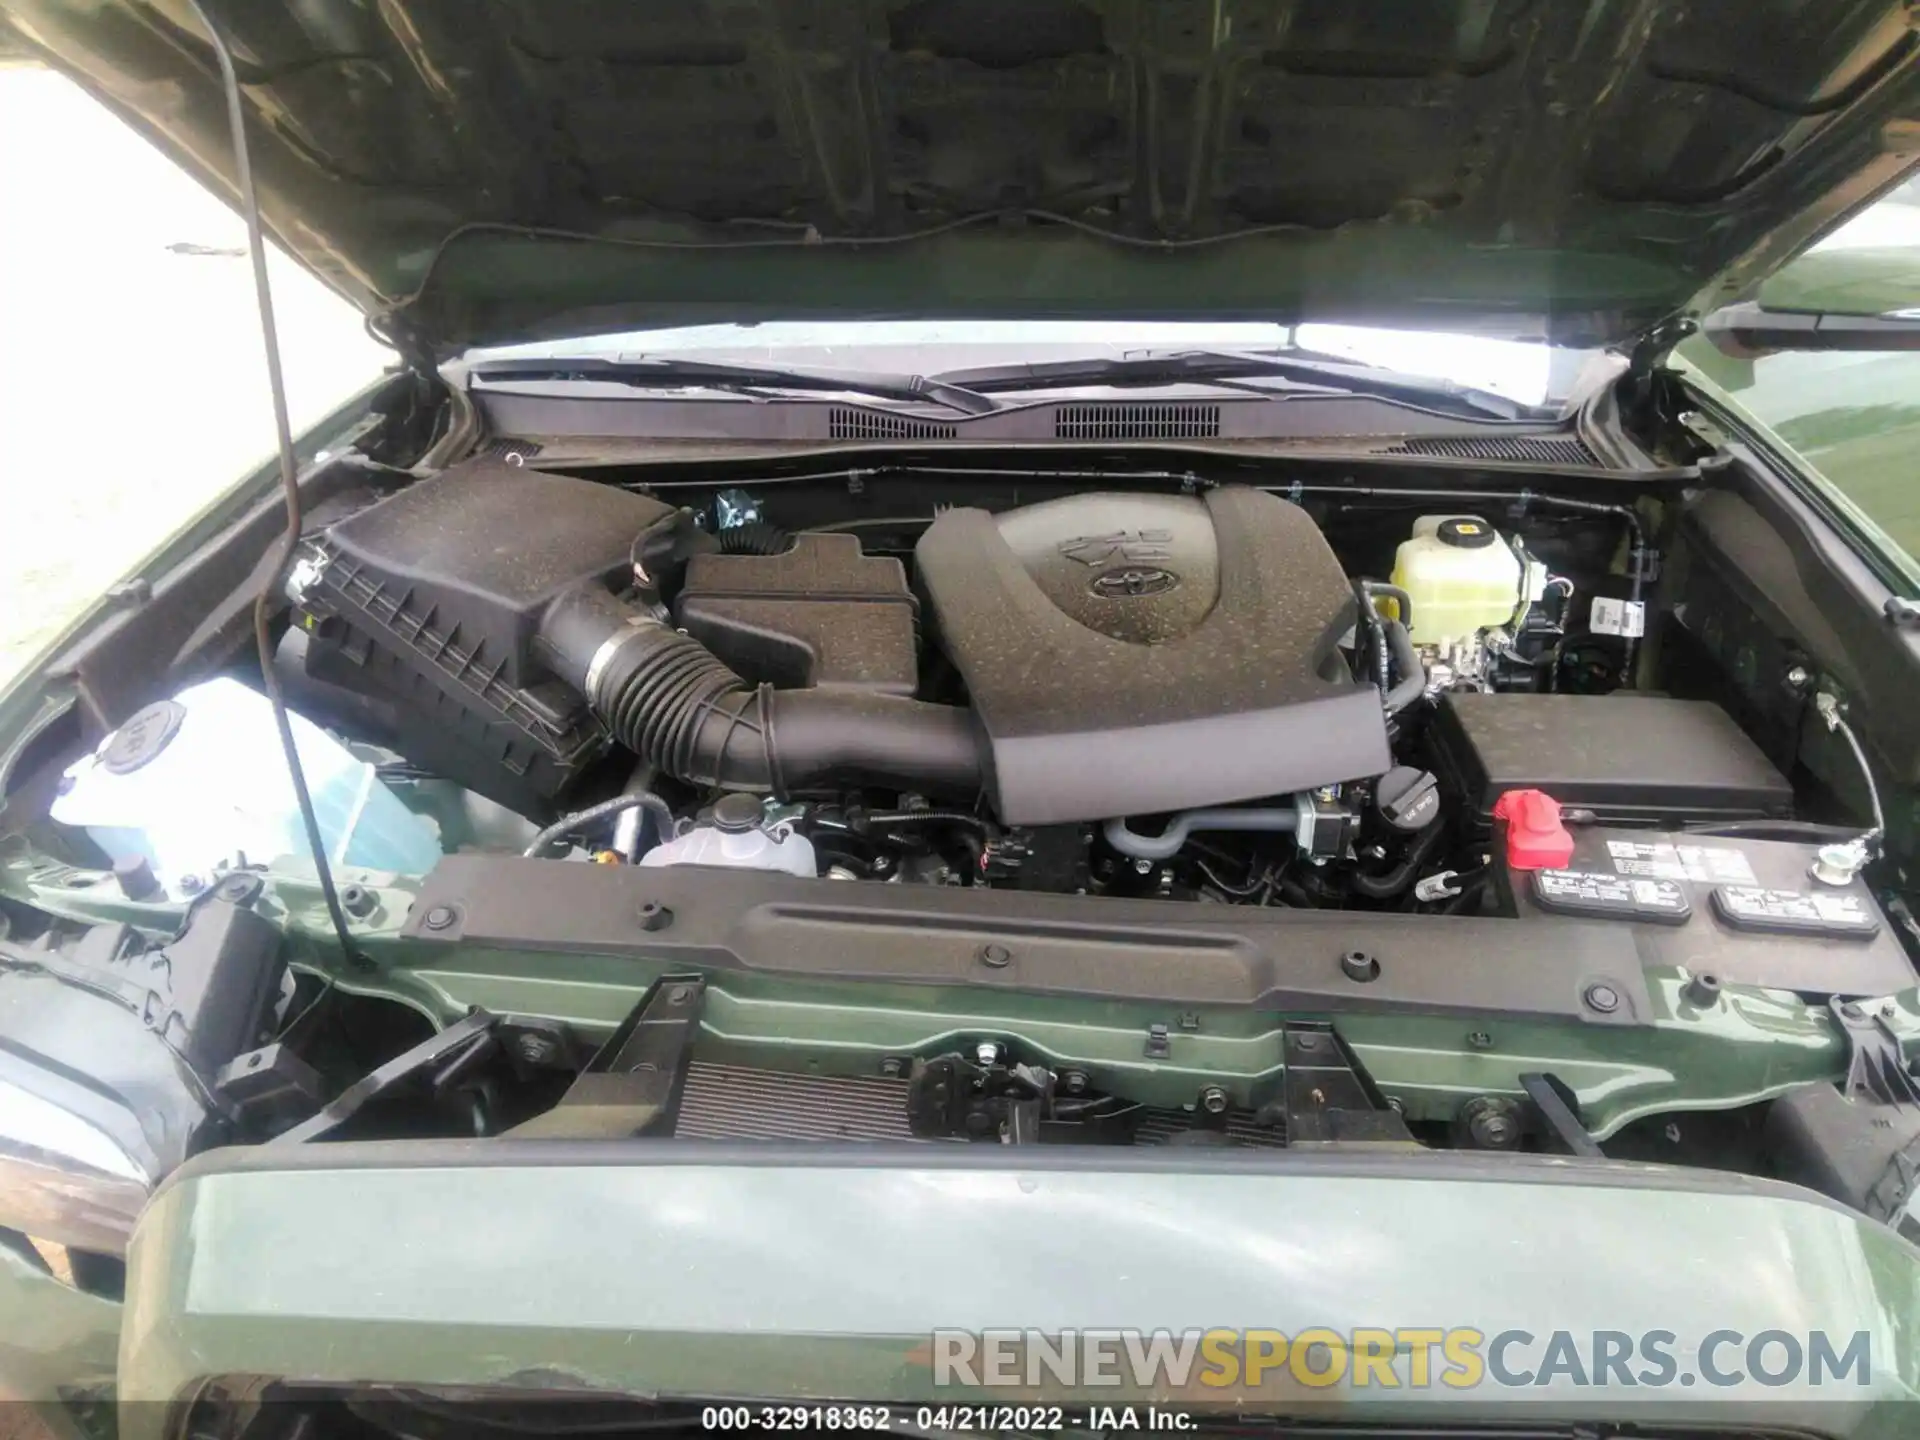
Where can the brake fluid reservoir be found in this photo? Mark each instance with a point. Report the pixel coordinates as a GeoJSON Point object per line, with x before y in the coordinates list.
{"type": "Point", "coordinates": [1461, 575]}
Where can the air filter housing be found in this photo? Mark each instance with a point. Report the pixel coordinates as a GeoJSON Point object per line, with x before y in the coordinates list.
{"type": "Point", "coordinates": [430, 601]}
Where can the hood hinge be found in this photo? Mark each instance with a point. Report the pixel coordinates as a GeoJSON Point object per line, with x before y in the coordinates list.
{"type": "Point", "coordinates": [1639, 386]}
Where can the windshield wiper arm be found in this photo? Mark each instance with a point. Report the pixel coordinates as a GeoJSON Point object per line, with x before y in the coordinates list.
{"type": "Point", "coordinates": [715, 375]}
{"type": "Point", "coordinates": [1201, 366]}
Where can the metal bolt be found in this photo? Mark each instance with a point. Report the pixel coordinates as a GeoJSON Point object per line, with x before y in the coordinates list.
{"type": "Point", "coordinates": [882, 863]}
{"type": "Point", "coordinates": [1073, 1082]}
{"type": "Point", "coordinates": [1479, 1040]}
{"type": "Point", "coordinates": [1851, 1009]}
{"type": "Point", "coordinates": [357, 901]}
{"type": "Point", "coordinates": [1309, 1041]}
{"type": "Point", "coordinates": [1798, 678]}
{"type": "Point", "coordinates": [996, 956]}
{"type": "Point", "coordinates": [987, 1054]}
{"type": "Point", "coordinates": [1492, 1122]}
{"type": "Point", "coordinates": [191, 884]}
{"type": "Point", "coordinates": [1143, 866]}
{"type": "Point", "coordinates": [440, 917]}
{"type": "Point", "coordinates": [1602, 997]}
{"type": "Point", "coordinates": [654, 916]}
{"type": "Point", "coordinates": [893, 1067]}
{"type": "Point", "coordinates": [1493, 1130]}
{"type": "Point", "coordinates": [1213, 1100]}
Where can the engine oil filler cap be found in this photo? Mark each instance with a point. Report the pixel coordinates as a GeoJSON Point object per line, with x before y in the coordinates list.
{"type": "Point", "coordinates": [1536, 840]}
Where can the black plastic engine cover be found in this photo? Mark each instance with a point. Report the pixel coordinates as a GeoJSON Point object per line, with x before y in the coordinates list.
{"type": "Point", "coordinates": [819, 614]}
{"type": "Point", "coordinates": [1129, 654]}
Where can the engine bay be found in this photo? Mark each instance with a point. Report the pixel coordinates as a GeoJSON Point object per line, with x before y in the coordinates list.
{"type": "Point", "coordinates": [1189, 695]}
{"type": "Point", "coordinates": [1025, 806]}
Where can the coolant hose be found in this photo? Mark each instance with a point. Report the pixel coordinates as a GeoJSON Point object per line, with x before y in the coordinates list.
{"type": "Point", "coordinates": [1167, 843]}
{"type": "Point", "coordinates": [667, 698]}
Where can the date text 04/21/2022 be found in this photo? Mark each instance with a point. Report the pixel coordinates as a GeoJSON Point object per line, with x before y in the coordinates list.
{"type": "Point", "coordinates": [972, 1419]}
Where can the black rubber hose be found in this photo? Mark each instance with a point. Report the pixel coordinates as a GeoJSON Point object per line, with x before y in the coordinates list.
{"type": "Point", "coordinates": [756, 537]}
{"type": "Point", "coordinates": [1390, 883]}
{"type": "Point", "coordinates": [1376, 626]}
{"type": "Point", "coordinates": [1412, 683]}
{"type": "Point", "coordinates": [930, 817]}
{"type": "Point", "coordinates": [667, 698]}
{"type": "Point", "coordinates": [605, 810]}
{"type": "Point", "coordinates": [1394, 593]}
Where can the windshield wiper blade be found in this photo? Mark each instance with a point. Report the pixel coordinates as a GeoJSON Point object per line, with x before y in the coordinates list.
{"type": "Point", "coordinates": [1203, 366]}
{"type": "Point", "coordinates": [716, 375]}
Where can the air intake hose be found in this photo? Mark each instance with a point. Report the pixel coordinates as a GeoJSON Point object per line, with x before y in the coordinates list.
{"type": "Point", "coordinates": [668, 699]}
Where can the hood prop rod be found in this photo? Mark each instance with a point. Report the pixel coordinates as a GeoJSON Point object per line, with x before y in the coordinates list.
{"type": "Point", "coordinates": [289, 479]}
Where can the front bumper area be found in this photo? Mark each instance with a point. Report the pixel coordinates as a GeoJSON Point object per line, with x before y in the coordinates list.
{"type": "Point", "coordinates": [690, 1270]}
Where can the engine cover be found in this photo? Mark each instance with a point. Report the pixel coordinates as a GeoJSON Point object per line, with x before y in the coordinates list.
{"type": "Point", "coordinates": [1129, 654]}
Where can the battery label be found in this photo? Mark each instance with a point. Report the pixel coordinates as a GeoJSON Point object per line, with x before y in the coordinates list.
{"type": "Point", "coordinates": [1591, 892]}
{"type": "Point", "coordinates": [1836, 913]}
{"type": "Point", "coordinates": [1662, 860]}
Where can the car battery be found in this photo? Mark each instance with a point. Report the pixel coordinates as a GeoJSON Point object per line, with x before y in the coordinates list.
{"type": "Point", "coordinates": [1624, 759]}
{"type": "Point", "coordinates": [1746, 911]}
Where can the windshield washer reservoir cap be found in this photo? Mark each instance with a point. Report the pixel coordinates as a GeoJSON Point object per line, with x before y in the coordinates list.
{"type": "Point", "coordinates": [146, 733]}
{"type": "Point", "coordinates": [1463, 532]}
{"type": "Point", "coordinates": [1536, 840]}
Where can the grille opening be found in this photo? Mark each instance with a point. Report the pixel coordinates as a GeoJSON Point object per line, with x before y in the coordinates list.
{"type": "Point", "coordinates": [1534, 449]}
{"type": "Point", "coordinates": [846, 423]}
{"type": "Point", "coordinates": [1128, 420]}
{"type": "Point", "coordinates": [738, 1102]}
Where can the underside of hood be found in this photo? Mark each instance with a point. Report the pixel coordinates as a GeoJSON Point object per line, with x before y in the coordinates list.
{"type": "Point", "coordinates": [480, 172]}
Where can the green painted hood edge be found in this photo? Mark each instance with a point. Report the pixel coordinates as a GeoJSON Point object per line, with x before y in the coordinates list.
{"type": "Point", "coordinates": [661, 1269]}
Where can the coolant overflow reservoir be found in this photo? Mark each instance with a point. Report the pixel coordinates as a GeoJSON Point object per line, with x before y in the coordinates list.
{"type": "Point", "coordinates": [1461, 575]}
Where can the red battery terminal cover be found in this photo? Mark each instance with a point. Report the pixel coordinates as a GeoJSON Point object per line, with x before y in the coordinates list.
{"type": "Point", "coordinates": [1536, 840]}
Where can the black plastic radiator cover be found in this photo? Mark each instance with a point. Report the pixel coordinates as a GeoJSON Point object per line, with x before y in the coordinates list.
{"type": "Point", "coordinates": [1129, 654]}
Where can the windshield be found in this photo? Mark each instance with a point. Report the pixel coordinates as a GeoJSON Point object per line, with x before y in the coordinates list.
{"type": "Point", "coordinates": [1529, 373]}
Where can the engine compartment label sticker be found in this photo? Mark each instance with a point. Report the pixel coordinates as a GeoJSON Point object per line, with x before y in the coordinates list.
{"type": "Point", "coordinates": [1618, 617]}
{"type": "Point", "coordinates": [1663, 860]}
{"type": "Point", "coordinates": [1838, 913]}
